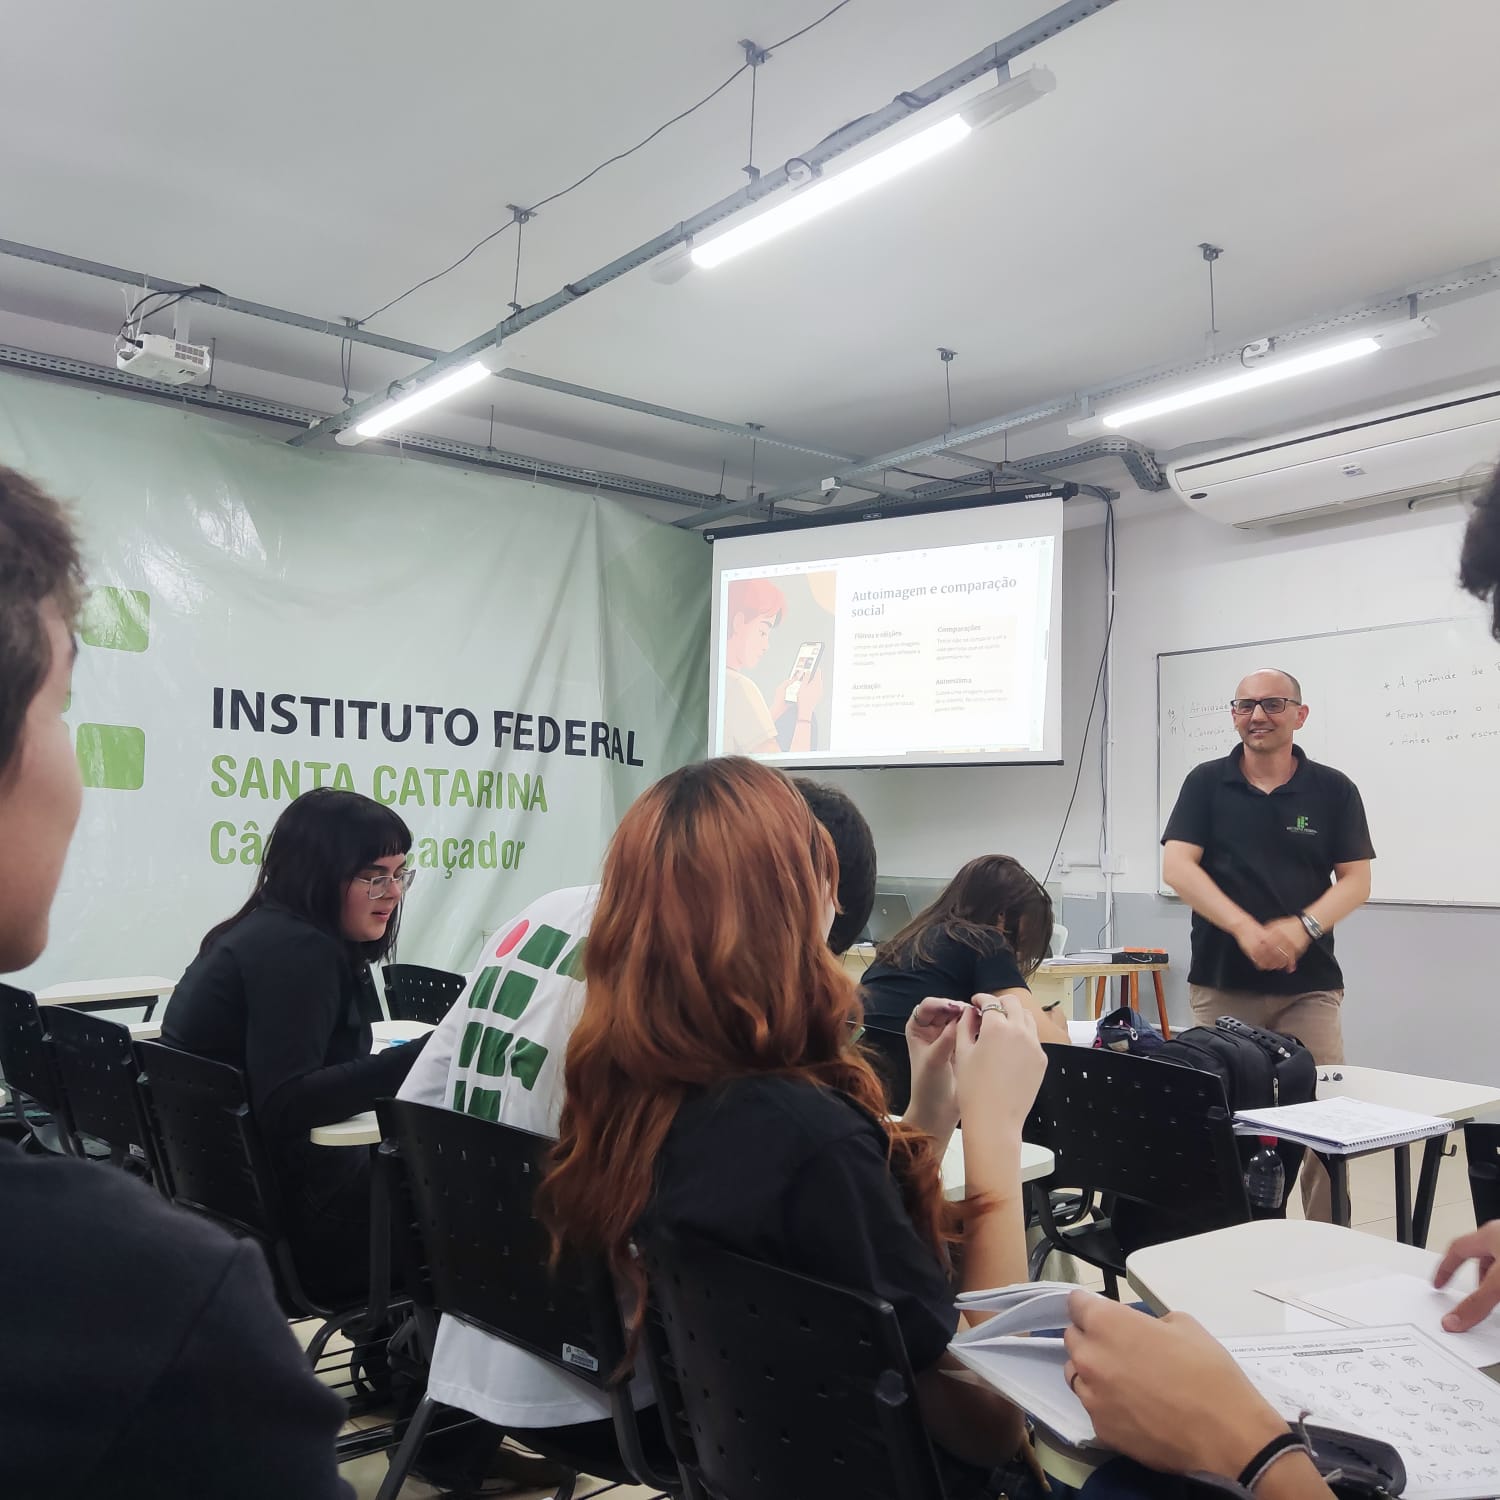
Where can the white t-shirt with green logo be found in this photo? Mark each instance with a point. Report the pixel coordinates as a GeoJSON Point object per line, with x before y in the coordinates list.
{"type": "Point", "coordinates": [499, 1053]}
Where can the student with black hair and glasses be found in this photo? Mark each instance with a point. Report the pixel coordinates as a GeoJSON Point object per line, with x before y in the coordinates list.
{"type": "Point", "coordinates": [282, 990]}
{"type": "Point", "coordinates": [984, 935]}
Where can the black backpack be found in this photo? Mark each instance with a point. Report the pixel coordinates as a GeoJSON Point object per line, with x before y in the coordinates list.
{"type": "Point", "coordinates": [1259, 1069]}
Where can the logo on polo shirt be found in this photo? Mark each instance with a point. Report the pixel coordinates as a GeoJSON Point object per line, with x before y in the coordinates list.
{"type": "Point", "coordinates": [1302, 825]}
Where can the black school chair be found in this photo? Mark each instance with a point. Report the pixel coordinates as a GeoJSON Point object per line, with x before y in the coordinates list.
{"type": "Point", "coordinates": [414, 993]}
{"type": "Point", "coordinates": [469, 1186]}
{"type": "Point", "coordinates": [30, 1072]}
{"type": "Point", "coordinates": [779, 1387]}
{"type": "Point", "coordinates": [1156, 1141]}
{"type": "Point", "coordinates": [1482, 1148]}
{"type": "Point", "coordinates": [96, 1064]}
{"type": "Point", "coordinates": [216, 1164]}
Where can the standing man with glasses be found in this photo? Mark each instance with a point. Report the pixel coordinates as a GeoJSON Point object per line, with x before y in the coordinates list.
{"type": "Point", "coordinates": [1271, 850]}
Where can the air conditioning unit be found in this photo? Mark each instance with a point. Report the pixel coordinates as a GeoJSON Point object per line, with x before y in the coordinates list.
{"type": "Point", "coordinates": [1416, 451]}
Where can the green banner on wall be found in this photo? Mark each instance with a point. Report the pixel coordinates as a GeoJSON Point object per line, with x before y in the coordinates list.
{"type": "Point", "coordinates": [507, 664]}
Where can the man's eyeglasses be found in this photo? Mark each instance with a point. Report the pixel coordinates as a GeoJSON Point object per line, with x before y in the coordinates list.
{"type": "Point", "coordinates": [1244, 707]}
{"type": "Point", "coordinates": [379, 886]}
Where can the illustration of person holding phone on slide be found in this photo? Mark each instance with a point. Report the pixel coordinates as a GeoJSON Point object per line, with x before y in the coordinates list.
{"type": "Point", "coordinates": [755, 608]}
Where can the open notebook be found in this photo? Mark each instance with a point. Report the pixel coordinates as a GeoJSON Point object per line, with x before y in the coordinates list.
{"type": "Point", "coordinates": [1341, 1125]}
{"type": "Point", "coordinates": [1392, 1383]}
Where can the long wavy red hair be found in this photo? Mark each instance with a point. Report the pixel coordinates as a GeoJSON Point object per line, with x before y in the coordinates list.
{"type": "Point", "coordinates": [706, 961]}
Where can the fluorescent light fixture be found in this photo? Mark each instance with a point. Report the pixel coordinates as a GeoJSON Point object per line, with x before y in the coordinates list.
{"type": "Point", "coordinates": [825, 193]}
{"type": "Point", "coordinates": [397, 412]}
{"type": "Point", "coordinates": [1273, 369]}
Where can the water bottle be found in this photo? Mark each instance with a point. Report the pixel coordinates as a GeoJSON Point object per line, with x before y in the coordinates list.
{"type": "Point", "coordinates": [1265, 1179]}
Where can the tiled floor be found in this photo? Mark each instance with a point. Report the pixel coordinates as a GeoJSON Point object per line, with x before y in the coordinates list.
{"type": "Point", "coordinates": [1372, 1200]}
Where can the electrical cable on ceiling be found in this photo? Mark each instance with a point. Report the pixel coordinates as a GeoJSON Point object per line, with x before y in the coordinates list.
{"type": "Point", "coordinates": [609, 162]}
{"type": "Point", "coordinates": [1109, 628]}
{"type": "Point", "coordinates": [140, 312]}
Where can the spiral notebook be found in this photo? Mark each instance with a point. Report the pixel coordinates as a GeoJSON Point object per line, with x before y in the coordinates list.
{"type": "Point", "coordinates": [1341, 1126]}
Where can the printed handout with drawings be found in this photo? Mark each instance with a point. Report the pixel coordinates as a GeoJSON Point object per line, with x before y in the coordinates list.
{"type": "Point", "coordinates": [1440, 1413]}
{"type": "Point", "coordinates": [1359, 1296]}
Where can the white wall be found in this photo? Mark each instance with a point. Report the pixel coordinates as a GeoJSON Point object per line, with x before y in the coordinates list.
{"type": "Point", "coordinates": [1420, 984]}
{"type": "Point", "coordinates": [929, 822]}
{"type": "Point", "coordinates": [1185, 582]}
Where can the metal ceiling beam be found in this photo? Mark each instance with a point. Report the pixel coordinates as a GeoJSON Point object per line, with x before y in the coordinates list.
{"type": "Point", "coordinates": [1138, 459]}
{"type": "Point", "coordinates": [213, 399]}
{"type": "Point", "coordinates": [341, 330]}
{"type": "Point", "coordinates": [1471, 280]}
{"type": "Point", "coordinates": [992, 58]}
{"type": "Point", "coordinates": [338, 330]}
{"type": "Point", "coordinates": [670, 413]}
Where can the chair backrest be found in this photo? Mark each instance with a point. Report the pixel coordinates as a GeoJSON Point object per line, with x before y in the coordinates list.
{"type": "Point", "coordinates": [25, 1061]}
{"type": "Point", "coordinates": [778, 1387]}
{"type": "Point", "coordinates": [101, 1078]}
{"type": "Point", "coordinates": [1129, 1126]}
{"type": "Point", "coordinates": [1482, 1149]}
{"type": "Point", "coordinates": [414, 993]}
{"type": "Point", "coordinates": [471, 1184]}
{"type": "Point", "coordinates": [211, 1152]}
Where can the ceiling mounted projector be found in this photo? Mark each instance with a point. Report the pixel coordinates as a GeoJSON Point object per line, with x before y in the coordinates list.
{"type": "Point", "coordinates": [156, 356]}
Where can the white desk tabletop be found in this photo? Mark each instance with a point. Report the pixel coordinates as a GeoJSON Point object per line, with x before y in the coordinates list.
{"type": "Point", "coordinates": [1083, 968]}
{"type": "Point", "coordinates": [1427, 1096]}
{"type": "Point", "coordinates": [143, 1031]}
{"type": "Point", "coordinates": [1036, 1161]}
{"type": "Point", "coordinates": [1214, 1276]}
{"type": "Point", "coordinates": [364, 1129]}
{"type": "Point", "coordinates": [358, 1130]}
{"type": "Point", "coordinates": [138, 987]}
{"type": "Point", "coordinates": [388, 1033]}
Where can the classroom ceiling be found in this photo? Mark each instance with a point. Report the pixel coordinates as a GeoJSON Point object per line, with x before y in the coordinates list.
{"type": "Point", "coordinates": [325, 157]}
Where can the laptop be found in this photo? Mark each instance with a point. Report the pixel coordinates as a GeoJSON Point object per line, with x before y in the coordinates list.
{"type": "Point", "coordinates": [888, 916]}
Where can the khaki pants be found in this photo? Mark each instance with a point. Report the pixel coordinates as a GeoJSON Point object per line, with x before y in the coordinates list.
{"type": "Point", "coordinates": [1316, 1020]}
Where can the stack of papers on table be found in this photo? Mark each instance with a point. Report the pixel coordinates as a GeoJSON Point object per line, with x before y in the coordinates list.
{"type": "Point", "coordinates": [1341, 1125]}
{"type": "Point", "coordinates": [1358, 1296]}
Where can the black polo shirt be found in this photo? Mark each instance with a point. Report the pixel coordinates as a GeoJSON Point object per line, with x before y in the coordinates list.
{"type": "Point", "coordinates": [1272, 853]}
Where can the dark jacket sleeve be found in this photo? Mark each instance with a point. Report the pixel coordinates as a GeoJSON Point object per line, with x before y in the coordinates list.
{"type": "Point", "coordinates": [238, 1413]}
{"type": "Point", "coordinates": [294, 1001]}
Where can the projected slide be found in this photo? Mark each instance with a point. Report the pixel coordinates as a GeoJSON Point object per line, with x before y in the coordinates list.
{"type": "Point", "coordinates": [923, 654]}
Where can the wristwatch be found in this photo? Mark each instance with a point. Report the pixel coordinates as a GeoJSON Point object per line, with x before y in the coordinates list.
{"type": "Point", "coordinates": [1315, 928]}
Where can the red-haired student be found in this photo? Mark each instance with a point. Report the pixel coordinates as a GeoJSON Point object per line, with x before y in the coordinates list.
{"type": "Point", "coordinates": [713, 1088]}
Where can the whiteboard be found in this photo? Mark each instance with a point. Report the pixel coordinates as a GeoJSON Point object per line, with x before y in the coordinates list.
{"type": "Point", "coordinates": [1410, 712]}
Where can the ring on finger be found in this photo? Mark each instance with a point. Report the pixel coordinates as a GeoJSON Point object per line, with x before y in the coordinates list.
{"type": "Point", "coordinates": [995, 1005]}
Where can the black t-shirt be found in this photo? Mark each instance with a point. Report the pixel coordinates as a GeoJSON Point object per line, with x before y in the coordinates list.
{"type": "Point", "coordinates": [280, 999]}
{"type": "Point", "coordinates": [1273, 854]}
{"type": "Point", "coordinates": [145, 1355]}
{"type": "Point", "coordinates": [793, 1174]}
{"type": "Point", "coordinates": [980, 962]}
